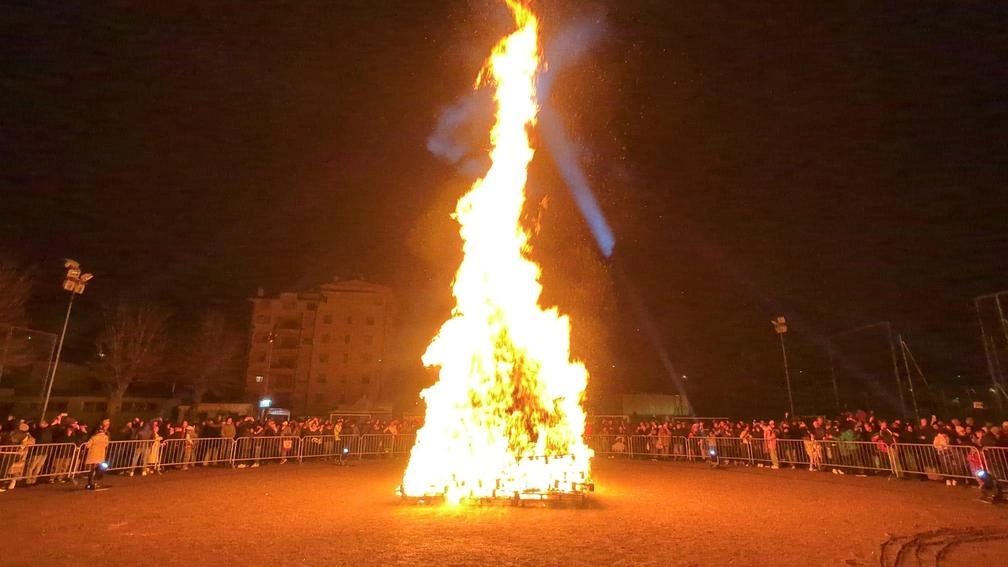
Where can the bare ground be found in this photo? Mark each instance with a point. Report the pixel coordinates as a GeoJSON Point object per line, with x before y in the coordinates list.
{"type": "Point", "coordinates": [643, 513]}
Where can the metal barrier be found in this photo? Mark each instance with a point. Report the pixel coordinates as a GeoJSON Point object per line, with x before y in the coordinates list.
{"type": "Point", "coordinates": [253, 450]}
{"type": "Point", "coordinates": [732, 449]}
{"type": "Point", "coordinates": [31, 463]}
{"type": "Point", "coordinates": [643, 445]}
{"type": "Point", "coordinates": [62, 461]}
{"type": "Point", "coordinates": [210, 451]}
{"type": "Point", "coordinates": [402, 443]}
{"type": "Point", "coordinates": [608, 445]}
{"type": "Point", "coordinates": [955, 461]}
{"type": "Point", "coordinates": [374, 444]}
{"type": "Point", "coordinates": [323, 447]}
{"type": "Point", "coordinates": [139, 456]}
{"type": "Point", "coordinates": [51, 461]}
{"type": "Point", "coordinates": [948, 462]}
{"type": "Point", "coordinates": [659, 447]}
{"type": "Point", "coordinates": [859, 457]}
{"type": "Point", "coordinates": [996, 459]}
{"type": "Point", "coordinates": [697, 448]}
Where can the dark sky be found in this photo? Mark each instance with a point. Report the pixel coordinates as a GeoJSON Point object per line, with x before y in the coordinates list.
{"type": "Point", "coordinates": [837, 163]}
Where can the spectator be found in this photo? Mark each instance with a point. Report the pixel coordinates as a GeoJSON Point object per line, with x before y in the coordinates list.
{"type": "Point", "coordinates": [154, 450]}
{"type": "Point", "coordinates": [40, 453]}
{"type": "Point", "coordinates": [95, 459]}
{"type": "Point", "coordinates": [20, 442]}
{"type": "Point", "coordinates": [209, 444]}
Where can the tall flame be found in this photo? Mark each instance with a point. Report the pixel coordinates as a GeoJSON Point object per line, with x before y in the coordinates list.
{"type": "Point", "coordinates": [506, 412]}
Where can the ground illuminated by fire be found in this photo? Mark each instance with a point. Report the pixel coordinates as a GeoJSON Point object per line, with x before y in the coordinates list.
{"type": "Point", "coordinates": [644, 513]}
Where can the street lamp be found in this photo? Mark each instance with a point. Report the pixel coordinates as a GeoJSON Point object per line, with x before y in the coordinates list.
{"type": "Point", "coordinates": [74, 282]}
{"type": "Point", "coordinates": [780, 327]}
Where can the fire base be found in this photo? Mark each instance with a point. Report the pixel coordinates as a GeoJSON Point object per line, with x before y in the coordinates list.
{"type": "Point", "coordinates": [576, 493]}
{"type": "Point", "coordinates": [508, 491]}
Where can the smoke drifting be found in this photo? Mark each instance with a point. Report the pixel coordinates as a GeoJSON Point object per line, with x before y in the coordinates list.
{"type": "Point", "coordinates": [459, 136]}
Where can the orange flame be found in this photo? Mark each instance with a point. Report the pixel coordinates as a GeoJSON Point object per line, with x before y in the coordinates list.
{"type": "Point", "coordinates": [505, 415]}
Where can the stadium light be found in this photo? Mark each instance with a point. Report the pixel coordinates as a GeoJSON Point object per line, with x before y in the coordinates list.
{"type": "Point", "coordinates": [74, 282]}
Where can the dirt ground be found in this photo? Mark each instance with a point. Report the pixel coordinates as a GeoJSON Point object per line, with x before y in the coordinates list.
{"type": "Point", "coordinates": [643, 513]}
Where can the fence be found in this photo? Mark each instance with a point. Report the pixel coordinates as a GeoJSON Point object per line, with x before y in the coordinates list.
{"type": "Point", "coordinates": [34, 462]}
{"type": "Point", "coordinates": [65, 461]}
{"type": "Point", "coordinates": [899, 459]}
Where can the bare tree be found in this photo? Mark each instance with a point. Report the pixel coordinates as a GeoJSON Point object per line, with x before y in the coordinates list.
{"type": "Point", "coordinates": [16, 348]}
{"type": "Point", "coordinates": [15, 289]}
{"type": "Point", "coordinates": [209, 355]}
{"type": "Point", "coordinates": [131, 348]}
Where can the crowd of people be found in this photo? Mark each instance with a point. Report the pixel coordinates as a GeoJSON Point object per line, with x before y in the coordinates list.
{"type": "Point", "coordinates": [853, 426]}
{"type": "Point", "coordinates": [817, 441]}
{"type": "Point", "coordinates": [856, 441]}
{"type": "Point", "coordinates": [30, 450]}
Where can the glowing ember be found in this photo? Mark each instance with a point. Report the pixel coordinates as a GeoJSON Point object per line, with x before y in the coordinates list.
{"type": "Point", "coordinates": [505, 415]}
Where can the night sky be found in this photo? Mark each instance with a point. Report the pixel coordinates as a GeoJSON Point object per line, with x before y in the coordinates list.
{"type": "Point", "coordinates": [836, 163]}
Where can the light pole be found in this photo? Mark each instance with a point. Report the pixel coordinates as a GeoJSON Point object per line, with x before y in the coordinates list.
{"type": "Point", "coordinates": [74, 282]}
{"type": "Point", "coordinates": [780, 327]}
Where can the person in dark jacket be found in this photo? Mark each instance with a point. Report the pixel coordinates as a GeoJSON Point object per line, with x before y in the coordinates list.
{"type": "Point", "coordinates": [143, 433]}
{"type": "Point", "coordinates": [40, 453]}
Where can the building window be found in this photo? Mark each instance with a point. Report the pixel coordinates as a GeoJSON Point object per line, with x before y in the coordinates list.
{"type": "Point", "coordinates": [289, 305]}
{"type": "Point", "coordinates": [370, 320]}
{"type": "Point", "coordinates": [368, 339]}
{"type": "Point", "coordinates": [321, 378]}
{"type": "Point", "coordinates": [320, 398]}
{"type": "Point", "coordinates": [312, 306]}
{"type": "Point", "coordinates": [92, 407]}
{"type": "Point", "coordinates": [367, 358]}
{"type": "Point", "coordinates": [262, 319]}
{"type": "Point", "coordinates": [323, 358]}
{"type": "Point", "coordinates": [289, 323]}
{"type": "Point", "coordinates": [349, 319]}
{"type": "Point", "coordinates": [261, 358]}
{"type": "Point", "coordinates": [346, 357]}
{"type": "Point", "coordinates": [327, 319]}
{"type": "Point", "coordinates": [283, 381]}
{"type": "Point", "coordinates": [365, 379]}
{"type": "Point", "coordinates": [259, 378]}
{"type": "Point", "coordinates": [346, 339]}
{"type": "Point", "coordinates": [306, 340]}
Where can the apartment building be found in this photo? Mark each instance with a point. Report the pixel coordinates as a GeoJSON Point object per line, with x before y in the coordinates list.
{"type": "Point", "coordinates": [322, 349]}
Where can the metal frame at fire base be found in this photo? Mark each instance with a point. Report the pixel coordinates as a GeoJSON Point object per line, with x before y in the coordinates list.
{"type": "Point", "coordinates": [577, 492]}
